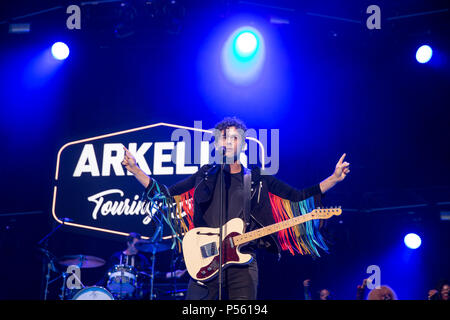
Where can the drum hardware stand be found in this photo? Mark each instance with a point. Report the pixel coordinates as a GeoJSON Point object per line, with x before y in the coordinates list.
{"type": "Point", "coordinates": [156, 239]}
{"type": "Point", "coordinates": [65, 274]}
{"type": "Point", "coordinates": [50, 266]}
{"type": "Point", "coordinates": [47, 267]}
{"type": "Point", "coordinates": [173, 274]}
{"type": "Point", "coordinates": [158, 234]}
{"type": "Point", "coordinates": [63, 288]}
{"type": "Point", "coordinates": [221, 218]}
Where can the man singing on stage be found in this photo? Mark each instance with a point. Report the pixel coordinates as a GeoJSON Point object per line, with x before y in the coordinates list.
{"type": "Point", "coordinates": [269, 200]}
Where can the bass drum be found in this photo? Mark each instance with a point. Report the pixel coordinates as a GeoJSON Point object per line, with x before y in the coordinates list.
{"type": "Point", "coordinates": [93, 293]}
{"type": "Point", "coordinates": [122, 280]}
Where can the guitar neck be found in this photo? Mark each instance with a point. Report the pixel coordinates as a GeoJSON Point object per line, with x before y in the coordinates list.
{"type": "Point", "coordinates": [259, 233]}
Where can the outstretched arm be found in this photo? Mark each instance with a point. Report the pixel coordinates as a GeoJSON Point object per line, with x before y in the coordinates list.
{"type": "Point", "coordinates": [129, 162]}
{"type": "Point", "coordinates": [339, 174]}
{"type": "Point", "coordinates": [286, 191]}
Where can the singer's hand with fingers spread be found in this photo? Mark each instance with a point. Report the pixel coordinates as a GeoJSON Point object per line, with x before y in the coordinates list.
{"type": "Point", "coordinates": [342, 169]}
{"type": "Point", "coordinates": [129, 162]}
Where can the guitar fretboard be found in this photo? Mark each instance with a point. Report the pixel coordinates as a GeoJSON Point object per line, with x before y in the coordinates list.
{"type": "Point", "coordinates": [259, 233]}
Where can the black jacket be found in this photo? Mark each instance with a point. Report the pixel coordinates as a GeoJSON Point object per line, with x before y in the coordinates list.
{"type": "Point", "coordinates": [204, 180]}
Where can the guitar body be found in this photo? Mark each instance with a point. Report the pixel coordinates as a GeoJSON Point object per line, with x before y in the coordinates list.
{"type": "Point", "coordinates": [201, 250]}
{"type": "Point", "coordinates": [201, 245]}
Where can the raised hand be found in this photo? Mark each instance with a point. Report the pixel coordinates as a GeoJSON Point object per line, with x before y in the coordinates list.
{"type": "Point", "coordinates": [129, 162]}
{"type": "Point", "coordinates": [342, 169]}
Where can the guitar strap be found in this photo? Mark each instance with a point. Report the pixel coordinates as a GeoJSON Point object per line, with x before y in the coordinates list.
{"type": "Point", "coordinates": [247, 194]}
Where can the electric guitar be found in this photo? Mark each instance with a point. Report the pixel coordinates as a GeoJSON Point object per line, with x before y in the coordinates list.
{"type": "Point", "coordinates": [201, 245]}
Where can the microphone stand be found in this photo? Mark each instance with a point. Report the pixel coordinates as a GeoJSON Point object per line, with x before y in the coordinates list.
{"type": "Point", "coordinates": [220, 231]}
{"type": "Point", "coordinates": [49, 235]}
{"type": "Point", "coordinates": [222, 166]}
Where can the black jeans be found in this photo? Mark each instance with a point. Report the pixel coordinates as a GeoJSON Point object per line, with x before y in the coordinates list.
{"type": "Point", "coordinates": [239, 282]}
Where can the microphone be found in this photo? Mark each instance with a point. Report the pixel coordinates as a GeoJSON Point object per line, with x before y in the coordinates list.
{"type": "Point", "coordinates": [222, 150]}
{"type": "Point", "coordinates": [220, 153]}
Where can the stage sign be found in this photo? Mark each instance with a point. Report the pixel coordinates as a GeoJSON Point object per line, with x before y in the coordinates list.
{"type": "Point", "coordinates": [95, 192]}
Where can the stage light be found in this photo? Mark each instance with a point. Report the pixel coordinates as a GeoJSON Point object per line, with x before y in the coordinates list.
{"type": "Point", "coordinates": [424, 54]}
{"type": "Point", "coordinates": [60, 51]}
{"type": "Point", "coordinates": [412, 241]}
{"type": "Point", "coordinates": [243, 55]}
{"type": "Point", "coordinates": [246, 44]}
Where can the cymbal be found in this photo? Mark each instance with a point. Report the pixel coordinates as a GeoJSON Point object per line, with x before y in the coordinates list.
{"type": "Point", "coordinates": [82, 261]}
{"type": "Point", "coordinates": [148, 246]}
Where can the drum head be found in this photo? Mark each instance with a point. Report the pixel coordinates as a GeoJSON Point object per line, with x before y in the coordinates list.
{"type": "Point", "coordinates": [93, 293]}
{"type": "Point", "coordinates": [122, 279]}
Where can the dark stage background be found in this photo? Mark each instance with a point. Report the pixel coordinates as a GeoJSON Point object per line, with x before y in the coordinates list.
{"type": "Point", "coordinates": [331, 86]}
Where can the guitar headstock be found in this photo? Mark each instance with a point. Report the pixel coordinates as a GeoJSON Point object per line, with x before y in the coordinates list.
{"type": "Point", "coordinates": [326, 213]}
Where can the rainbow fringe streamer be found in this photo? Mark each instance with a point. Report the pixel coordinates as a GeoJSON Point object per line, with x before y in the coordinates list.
{"type": "Point", "coordinates": [304, 238]}
{"type": "Point", "coordinates": [172, 210]}
{"type": "Point", "coordinates": [185, 203]}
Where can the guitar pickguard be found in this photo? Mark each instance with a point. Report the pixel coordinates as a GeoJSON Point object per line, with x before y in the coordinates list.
{"type": "Point", "coordinates": [229, 254]}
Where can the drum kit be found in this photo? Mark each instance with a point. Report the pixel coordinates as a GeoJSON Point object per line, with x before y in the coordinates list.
{"type": "Point", "coordinates": [123, 281]}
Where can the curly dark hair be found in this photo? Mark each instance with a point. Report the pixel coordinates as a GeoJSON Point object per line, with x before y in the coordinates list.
{"type": "Point", "coordinates": [228, 122]}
